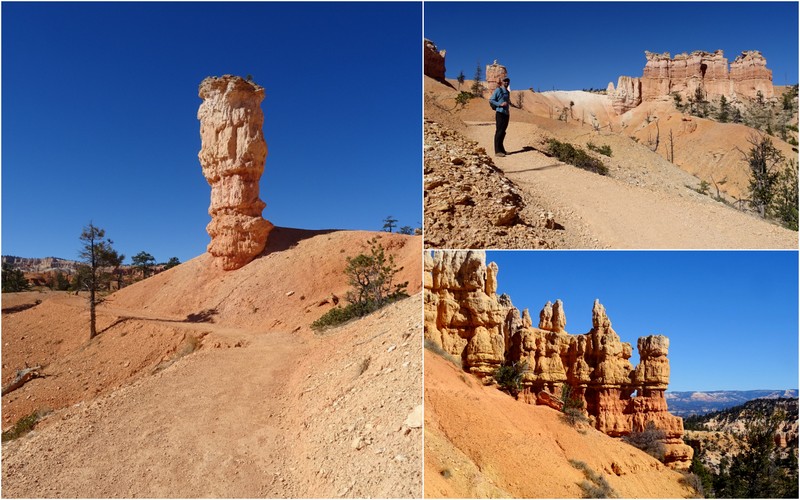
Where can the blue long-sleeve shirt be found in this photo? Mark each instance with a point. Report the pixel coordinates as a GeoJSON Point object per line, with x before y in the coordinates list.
{"type": "Point", "coordinates": [499, 96]}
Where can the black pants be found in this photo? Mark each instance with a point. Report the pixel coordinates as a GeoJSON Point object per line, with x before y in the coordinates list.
{"type": "Point", "coordinates": [500, 132]}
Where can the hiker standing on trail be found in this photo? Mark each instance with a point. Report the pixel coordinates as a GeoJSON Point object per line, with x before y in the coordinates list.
{"type": "Point", "coordinates": [500, 102]}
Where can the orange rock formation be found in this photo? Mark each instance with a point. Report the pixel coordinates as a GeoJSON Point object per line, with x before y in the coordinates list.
{"type": "Point", "coordinates": [494, 72]}
{"type": "Point", "coordinates": [433, 60]}
{"type": "Point", "coordinates": [627, 95]}
{"type": "Point", "coordinates": [750, 75]}
{"type": "Point", "coordinates": [465, 316]}
{"type": "Point", "coordinates": [232, 155]}
{"type": "Point", "coordinates": [686, 73]}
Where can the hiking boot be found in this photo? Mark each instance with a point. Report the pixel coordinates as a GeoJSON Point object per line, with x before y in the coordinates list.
{"type": "Point", "coordinates": [499, 155]}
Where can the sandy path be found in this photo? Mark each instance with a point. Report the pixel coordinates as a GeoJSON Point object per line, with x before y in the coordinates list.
{"type": "Point", "coordinates": [621, 215]}
{"type": "Point", "coordinates": [251, 414]}
{"type": "Point", "coordinates": [194, 429]}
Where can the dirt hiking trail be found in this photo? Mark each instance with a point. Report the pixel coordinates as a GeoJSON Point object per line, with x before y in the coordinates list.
{"type": "Point", "coordinates": [621, 214]}
{"type": "Point", "coordinates": [229, 405]}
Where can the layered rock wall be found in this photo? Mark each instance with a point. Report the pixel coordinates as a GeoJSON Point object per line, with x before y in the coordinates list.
{"type": "Point", "coordinates": [684, 74]}
{"type": "Point", "coordinates": [232, 155]}
{"type": "Point", "coordinates": [463, 313]}
{"type": "Point", "coordinates": [750, 75]}
{"type": "Point", "coordinates": [465, 317]}
{"type": "Point", "coordinates": [627, 95]}
{"type": "Point", "coordinates": [433, 60]}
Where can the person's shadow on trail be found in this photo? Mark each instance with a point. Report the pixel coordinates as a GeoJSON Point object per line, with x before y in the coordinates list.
{"type": "Point", "coordinates": [525, 149]}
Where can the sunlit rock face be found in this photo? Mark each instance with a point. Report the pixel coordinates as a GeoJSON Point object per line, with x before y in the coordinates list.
{"type": "Point", "coordinates": [433, 60]}
{"type": "Point", "coordinates": [467, 319]}
{"type": "Point", "coordinates": [463, 313]}
{"type": "Point", "coordinates": [688, 74]}
{"type": "Point", "coordinates": [627, 95]}
{"type": "Point", "coordinates": [685, 73]}
{"type": "Point", "coordinates": [494, 73]}
{"type": "Point", "coordinates": [750, 75]}
{"type": "Point", "coordinates": [232, 155]}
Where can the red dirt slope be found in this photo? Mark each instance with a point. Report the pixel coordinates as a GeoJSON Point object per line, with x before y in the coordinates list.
{"type": "Point", "coordinates": [480, 442]}
{"type": "Point", "coordinates": [241, 399]}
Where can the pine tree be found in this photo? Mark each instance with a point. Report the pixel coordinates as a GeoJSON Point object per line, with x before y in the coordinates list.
{"type": "Point", "coordinates": [13, 280]}
{"type": "Point", "coordinates": [477, 88]}
{"type": "Point", "coordinates": [763, 159]}
{"type": "Point", "coordinates": [389, 224]}
{"type": "Point", "coordinates": [785, 199]}
{"type": "Point", "coordinates": [143, 261]}
{"type": "Point", "coordinates": [96, 254]}
{"type": "Point", "coordinates": [724, 109]}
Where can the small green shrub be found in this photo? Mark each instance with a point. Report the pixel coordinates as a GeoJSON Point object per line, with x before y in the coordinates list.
{"type": "Point", "coordinates": [339, 315]}
{"type": "Point", "coordinates": [573, 407]}
{"type": "Point", "coordinates": [24, 425]}
{"type": "Point", "coordinates": [678, 101]}
{"type": "Point", "coordinates": [509, 377]}
{"type": "Point", "coordinates": [463, 98]}
{"type": "Point", "coordinates": [371, 277]}
{"type": "Point", "coordinates": [568, 153]}
{"type": "Point", "coordinates": [701, 189]}
{"type": "Point", "coordinates": [603, 150]}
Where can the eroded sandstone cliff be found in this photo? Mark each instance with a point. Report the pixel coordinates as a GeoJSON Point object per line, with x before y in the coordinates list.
{"type": "Point", "coordinates": [686, 74]}
{"type": "Point", "coordinates": [465, 316]}
{"type": "Point", "coordinates": [494, 73]}
{"type": "Point", "coordinates": [627, 95]}
{"type": "Point", "coordinates": [232, 155]}
{"type": "Point", "coordinates": [433, 60]}
{"type": "Point", "coordinates": [750, 75]}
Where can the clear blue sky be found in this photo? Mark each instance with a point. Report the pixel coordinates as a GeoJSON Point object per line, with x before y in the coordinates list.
{"type": "Point", "coordinates": [577, 45]}
{"type": "Point", "coordinates": [731, 317]}
{"type": "Point", "coordinates": [99, 118]}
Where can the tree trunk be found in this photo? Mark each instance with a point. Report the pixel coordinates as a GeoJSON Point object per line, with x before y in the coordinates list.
{"type": "Point", "coordinates": [92, 317]}
{"type": "Point", "coordinates": [22, 378]}
{"type": "Point", "coordinates": [672, 148]}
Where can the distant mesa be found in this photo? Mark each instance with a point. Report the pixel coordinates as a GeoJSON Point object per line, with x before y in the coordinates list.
{"type": "Point", "coordinates": [232, 155]}
{"type": "Point", "coordinates": [40, 265]}
{"type": "Point", "coordinates": [433, 60]}
{"type": "Point", "coordinates": [688, 403]}
{"type": "Point", "coordinates": [464, 315]}
{"type": "Point", "coordinates": [684, 74]}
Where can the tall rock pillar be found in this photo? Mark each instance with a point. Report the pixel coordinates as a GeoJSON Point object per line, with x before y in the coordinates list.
{"type": "Point", "coordinates": [494, 72]}
{"type": "Point", "coordinates": [232, 155]}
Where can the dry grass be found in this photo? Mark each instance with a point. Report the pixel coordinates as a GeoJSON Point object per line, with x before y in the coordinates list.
{"type": "Point", "coordinates": [596, 486]}
{"type": "Point", "coordinates": [25, 425]}
{"type": "Point", "coordinates": [364, 366]}
{"type": "Point", "coordinates": [437, 349]}
{"type": "Point", "coordinates": [189, 345]}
